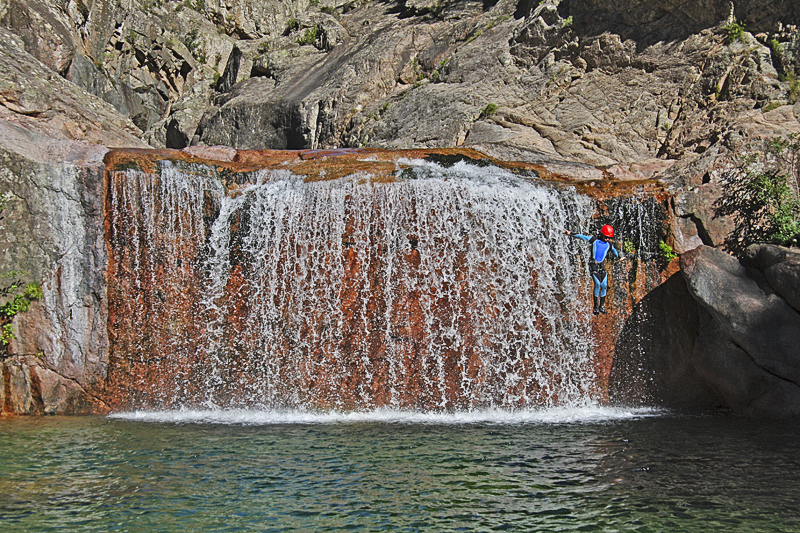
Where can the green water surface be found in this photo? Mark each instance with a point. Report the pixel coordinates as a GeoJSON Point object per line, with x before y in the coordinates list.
{"type": "Point", "coordinates": [653, 473]}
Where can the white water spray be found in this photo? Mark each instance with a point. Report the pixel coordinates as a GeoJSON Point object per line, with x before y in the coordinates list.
{"type": "Point", "coordinates": [453, 289]}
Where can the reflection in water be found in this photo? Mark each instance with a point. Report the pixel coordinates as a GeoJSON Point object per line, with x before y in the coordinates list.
{"type": "Point", "coordinates": [625, 473]}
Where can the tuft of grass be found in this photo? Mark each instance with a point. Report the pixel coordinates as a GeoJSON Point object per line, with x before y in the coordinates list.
{"type": "Point", "coordinates": [310, 36]}
{"type": "Point", "coordinates": [291, 26]}
{"type": "Point", "coordinates": [775, 47]}
{"type": "Point", "coordinates": [488, 111]}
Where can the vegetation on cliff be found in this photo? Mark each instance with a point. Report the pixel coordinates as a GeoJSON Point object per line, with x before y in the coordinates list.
{"type": "Point", "coordinates": [16, 295]}
{"type": "Point", "coordinates": [762, 195]}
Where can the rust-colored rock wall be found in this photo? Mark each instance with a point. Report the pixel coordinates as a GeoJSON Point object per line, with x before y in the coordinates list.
{"type": "Point", "coordinates": [364, 292]}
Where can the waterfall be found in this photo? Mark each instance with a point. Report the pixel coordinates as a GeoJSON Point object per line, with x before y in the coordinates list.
{"type": "Point", "coordinates": [446, 288]}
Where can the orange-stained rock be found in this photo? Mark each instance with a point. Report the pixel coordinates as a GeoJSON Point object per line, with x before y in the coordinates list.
{"type": "Point", "coordinates": [324, 330]}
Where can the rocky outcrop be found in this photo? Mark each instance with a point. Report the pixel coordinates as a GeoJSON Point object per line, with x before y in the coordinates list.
{"type": "Point", "coordinates": [53, 231]}
{"type": "Point", "coordinates": [664, 90]}
{"type": "Point", "coordinates": [41, 101]}
{"type": "Point", "coordinates": [727, 337]}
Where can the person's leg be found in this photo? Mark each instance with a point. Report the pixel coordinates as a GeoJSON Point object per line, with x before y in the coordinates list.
{"type": "Point", "coordinates": [603, 290]}
{"type": "Point", "coordinates": [596, 296]}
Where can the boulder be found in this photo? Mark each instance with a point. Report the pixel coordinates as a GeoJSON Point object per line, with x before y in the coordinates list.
{"type": "Point", "coordinates": [781, 268]}
{"type": "Point", "coordinates": [728, 337]}
{"type": "Point", "coordinates": [749, 311]}
{"type": "Point", "coordinates": [653, 360]}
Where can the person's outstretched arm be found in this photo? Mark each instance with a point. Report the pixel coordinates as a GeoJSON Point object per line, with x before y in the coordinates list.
{"type": "Point", "coordinates": [577, 235]}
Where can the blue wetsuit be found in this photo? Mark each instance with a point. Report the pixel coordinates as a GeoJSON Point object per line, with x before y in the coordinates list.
{"type": "Point", "coordinates": [600, 249]}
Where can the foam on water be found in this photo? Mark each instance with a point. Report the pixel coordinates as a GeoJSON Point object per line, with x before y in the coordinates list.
{"type": "Point", "coordinates": [557, 415]}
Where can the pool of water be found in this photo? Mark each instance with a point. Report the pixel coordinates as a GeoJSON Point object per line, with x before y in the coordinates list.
{"type": "Point", "coordinates": [589, 469]}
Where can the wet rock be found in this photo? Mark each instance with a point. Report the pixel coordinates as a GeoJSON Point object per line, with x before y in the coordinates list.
{"type": "Point", "coordinates": [653, 363]}
{"type": "Point", "coordinates": [28, 387]}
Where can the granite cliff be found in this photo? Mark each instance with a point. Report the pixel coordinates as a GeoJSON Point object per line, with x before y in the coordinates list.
{"type": "Point", "coordinates": [603, 92]}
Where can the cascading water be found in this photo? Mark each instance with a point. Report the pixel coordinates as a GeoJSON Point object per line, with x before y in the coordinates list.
{"type": "Point", "coordinates": [447, 288]}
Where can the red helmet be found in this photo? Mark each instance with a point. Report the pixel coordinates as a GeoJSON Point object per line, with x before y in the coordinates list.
{"type": "Point", "coordinates": [608, 231]}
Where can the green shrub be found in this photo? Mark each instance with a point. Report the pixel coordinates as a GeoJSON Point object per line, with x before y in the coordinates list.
{"type": "Point", "coordinates": [292, 25]}
{"type": "Point", "coordinates": [666, 251]}
{"type": "Point", "coordinates": [20, 303]}
{"type": "Point", "coordinates": [190, 40]}
{"type": "Point", "coordinates": [775, 47]}
{"type": "Point", "coordinates": [761, 195]}
{"type": "Point", "coordinates": [628, 247]}
{"type": "Point", "coordinates": [310, 36]}
{"type": "Point", "coordinates": [734, 31]}
{"type": "Point", "coordinates": [783, 222]}
{"type": "Point", "coordinates": [20, 294]}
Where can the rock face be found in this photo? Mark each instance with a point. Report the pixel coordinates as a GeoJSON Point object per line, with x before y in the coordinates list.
{"type": "Point", "coordinates": [659, 89]}
{"type": "Point", "coordinates": [39, 100]}
{"type": "Point", "coordinates": [53, 231]}
{"type": "Point", "coordinates": [728, 337]}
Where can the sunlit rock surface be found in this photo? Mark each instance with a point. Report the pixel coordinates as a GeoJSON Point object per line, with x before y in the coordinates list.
{"type": "Point", "coordinates": [53, 232]}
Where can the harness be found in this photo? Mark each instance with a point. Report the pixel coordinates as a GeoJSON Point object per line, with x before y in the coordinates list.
{"type": "Point", "coordinates": [597, 267]}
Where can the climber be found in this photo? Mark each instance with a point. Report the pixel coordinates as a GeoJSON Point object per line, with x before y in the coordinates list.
{"type": "Point", "coordinates": [600, 247]}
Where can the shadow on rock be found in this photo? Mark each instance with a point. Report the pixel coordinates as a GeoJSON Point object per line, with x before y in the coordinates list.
{"type": "Point", "coordinates": [653, 358]}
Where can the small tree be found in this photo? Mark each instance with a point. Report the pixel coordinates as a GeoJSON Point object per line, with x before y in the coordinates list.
{"type": "Point", "coordinates": [763, 196]}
